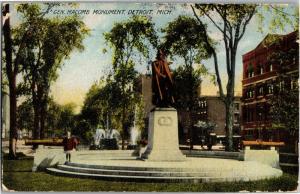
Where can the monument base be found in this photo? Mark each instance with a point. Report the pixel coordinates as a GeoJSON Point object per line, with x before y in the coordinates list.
{"type": "Point", "coordinates": [163, 144]}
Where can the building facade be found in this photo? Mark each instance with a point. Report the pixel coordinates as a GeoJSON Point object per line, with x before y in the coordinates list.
{"type": "Point", "coordinates": [262, 78]}
{"type": "Point", "coordinates": [213, 110]}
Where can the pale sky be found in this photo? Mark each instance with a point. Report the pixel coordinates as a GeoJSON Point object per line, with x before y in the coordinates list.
{"type": "Point", "coordinates": [85, 68]}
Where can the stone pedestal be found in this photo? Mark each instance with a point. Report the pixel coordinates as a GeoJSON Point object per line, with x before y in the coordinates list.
{"type": "Point", "coordinates": [268, 157]}
{"type": "Point", "coordinates": [163, 144]}
{"type": "Point", "coordinates": [45, 157]}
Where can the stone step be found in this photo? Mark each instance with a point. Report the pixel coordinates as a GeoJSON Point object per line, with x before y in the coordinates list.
{"type": "Point", "coordinates": [196, 179]}
{"type": "Point", "coordinates": [212, 156]}
{"type": "Point", "coordinates": [105, 154]}
{"type": "Point", "coordinates": [108, 158]}
{"type": "Point", "coordinates": [89, 152]}
{"type": "Point", "coordinates": [133, 172]}
{"type": "Point", "coordinates": [139, 168]}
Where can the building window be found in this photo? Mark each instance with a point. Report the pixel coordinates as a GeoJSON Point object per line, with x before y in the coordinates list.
{"type": "Point", "coordinates": [236, 118]}
{"type": "Point", "coordinates": [294, 84]}
{"type": "Point", "coordinates": [251, 93]}
{"type": "Point", "coordinates": [250, 74]}
{"type": "Point", "coordinates": [260, 116]}
{"type": "Point", "coordinates": [261, 69]}
{"type": "Point", "coordinates": [248, 94]}
{"type": "Point", "coordinates": [271, 67]}
{"type": "Point", "coordinates": [202, 104]}
{"type": "Point", "coordinates": [236, 106]}
{"type": "Point", "coordinates": [260, 91]}
{"type": "Point", "coordinates": [270, 89]}
{"type": "Point", "coordinates": [250, 70]}
{"type": "Point", "coordinates": [281, 86]}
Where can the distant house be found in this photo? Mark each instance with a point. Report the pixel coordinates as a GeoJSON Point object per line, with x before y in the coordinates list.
{"type": "Point", "coordinates": [260, 82]}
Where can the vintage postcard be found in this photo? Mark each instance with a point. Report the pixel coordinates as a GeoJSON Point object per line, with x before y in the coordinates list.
{"type": "Point", "coordinates": [150, 97]}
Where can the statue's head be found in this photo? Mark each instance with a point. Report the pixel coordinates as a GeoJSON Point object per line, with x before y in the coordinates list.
{"type": "Point", "coordinates": [160, 54]}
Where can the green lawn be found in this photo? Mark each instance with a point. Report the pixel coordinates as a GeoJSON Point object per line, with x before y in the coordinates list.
{"type": "Point", "coordinates": [17, 176]}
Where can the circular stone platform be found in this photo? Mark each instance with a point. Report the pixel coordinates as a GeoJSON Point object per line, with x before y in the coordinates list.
{"type": "Point", "coordinates": [192, 170]}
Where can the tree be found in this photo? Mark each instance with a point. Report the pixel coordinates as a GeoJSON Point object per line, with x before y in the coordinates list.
{"type": "Point", "coordinates": [183, 38]}
{"type": "Point", "coordinates": [101, 104]}
{"type": "Point", "coordinates": [186, 98]}
{"type": "Point", "coordinates": [13, 49]}
{"type": "Point", "coordinates": [66, 120]}
{"type": "Point", "coordinates": [53, 118]}
{"type": "Point", "coordinates": [25, 115]}
{"type": "Point", "coordinates": [82, 129]}
{"type": "Point", "coordinates": [234, 21]}
{"type": "Point", "coordinates": [234, 18]}
{"type": "Point", "coordinates": [284, 110]}
{"type": "Point", "coordinates": [49, 44]}
{"type": "Point", "coordinates": [125, 38]}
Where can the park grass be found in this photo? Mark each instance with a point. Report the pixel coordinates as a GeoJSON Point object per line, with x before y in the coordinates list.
{"type": "Point", "coordinates": [17, 176]}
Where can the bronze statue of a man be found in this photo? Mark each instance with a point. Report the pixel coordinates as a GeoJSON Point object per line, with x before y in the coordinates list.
{"type": "Point", "coordinates": [162, 83]}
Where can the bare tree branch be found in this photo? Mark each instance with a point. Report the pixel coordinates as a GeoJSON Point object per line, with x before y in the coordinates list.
{"type": "Point", "coordinates": [216, 25]}
{"type": "Point", "coordinates": [246, 23]}
{"type": "Point", "coordinates": [212, 50]}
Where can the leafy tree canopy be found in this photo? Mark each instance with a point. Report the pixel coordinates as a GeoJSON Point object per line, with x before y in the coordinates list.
{"type": "Point", "coordinates": [183, 37]}
{"type": "Point", "coordinates": [124, 37]}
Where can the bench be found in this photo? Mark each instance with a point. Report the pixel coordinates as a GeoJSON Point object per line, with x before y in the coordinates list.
{"type": "Point", "coordinates": [45, 142]}
{"type": "Point", "coordinates": [265, 154]}
{"type": "Point", "coordinates": [261, 144]}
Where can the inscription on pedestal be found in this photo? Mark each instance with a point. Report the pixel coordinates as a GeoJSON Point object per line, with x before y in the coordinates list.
{"type": "Point", "coordinates": [165, 121]}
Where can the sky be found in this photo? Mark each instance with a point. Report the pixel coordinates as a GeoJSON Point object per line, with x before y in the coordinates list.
{"type": "Point", "coordinates": [83, 69]}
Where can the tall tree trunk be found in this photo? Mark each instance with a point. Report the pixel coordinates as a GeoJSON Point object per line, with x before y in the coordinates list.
{"type": "Point", "coordinates": [191, 99]}
{"type": "Point", "coordinates": [230, 98]}
{"type": "Point", "coordinates": [43, 118]}
{"type": "Point", "coordinates": [36, 118]}
{"type": "Point", "coordinates": [13, 135]}
{"type": "Point", "coordinates": [36, 123]}
{"type": "Point", "coordinates": [11, 74]}
{"type": "Point", "coordinates": [229, 108]}
{"type": "Point", "coordinates": [42, 122]}
{"type": "Point", "coordinates": [229, 124]}
{"type": "Point", "coordinates": [123, 126]}
{"type": "Point", "coordinates": [190, 130]}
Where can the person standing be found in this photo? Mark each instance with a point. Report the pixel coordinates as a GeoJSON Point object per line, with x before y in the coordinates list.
{"type": "Point", "coordinates": [69, 144]}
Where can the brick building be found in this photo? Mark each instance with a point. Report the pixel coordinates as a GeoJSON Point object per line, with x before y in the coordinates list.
{"type": "Point", "coordinates": [261, 81]}
{"type": "Point", "coordinates": [213, 110]}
